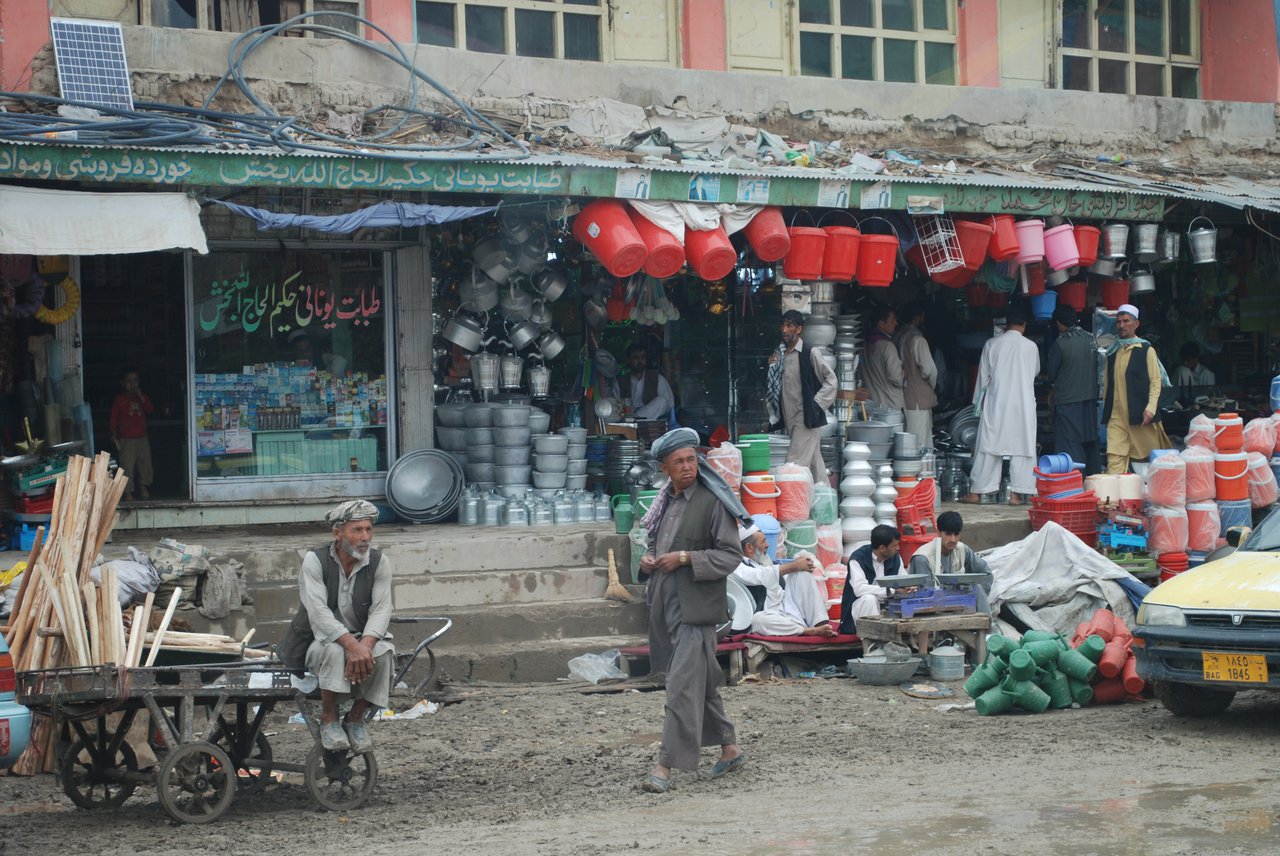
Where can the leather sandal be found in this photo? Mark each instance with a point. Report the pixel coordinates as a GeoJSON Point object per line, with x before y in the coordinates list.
{"type": "Point", "coordinates": [655, 784]}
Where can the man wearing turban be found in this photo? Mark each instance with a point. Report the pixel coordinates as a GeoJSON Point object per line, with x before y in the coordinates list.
{"type": "Point", "coordinates": [693, 548]}
{"type": "Point", "coordinates": [345, 588]}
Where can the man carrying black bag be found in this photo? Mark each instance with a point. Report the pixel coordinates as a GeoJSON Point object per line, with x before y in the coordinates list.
{"type": "Point", "coordinates": [340, 632]}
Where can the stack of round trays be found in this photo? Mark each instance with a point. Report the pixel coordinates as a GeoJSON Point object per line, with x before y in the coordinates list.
{"type": "Point", "coordinates": [622, 454]}
{"type": "Point", "coordinates": [424, 486]}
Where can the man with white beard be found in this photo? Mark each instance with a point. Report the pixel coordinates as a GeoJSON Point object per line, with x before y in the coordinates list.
{"type": "Point", "coordinates": [345, 588]}
{"type": "Point", "coordinates": [793, 603]}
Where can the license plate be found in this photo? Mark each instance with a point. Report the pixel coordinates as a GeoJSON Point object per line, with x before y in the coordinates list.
{"type": "Point", "coordinates": [1235, 668]}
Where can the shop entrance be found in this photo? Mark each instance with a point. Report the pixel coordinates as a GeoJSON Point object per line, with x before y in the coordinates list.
{"type": "Point", "coordinates": [134, 319]}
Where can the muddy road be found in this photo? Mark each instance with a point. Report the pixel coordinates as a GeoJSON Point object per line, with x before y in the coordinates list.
{"type": "Point", "coordinates": [835, 767]}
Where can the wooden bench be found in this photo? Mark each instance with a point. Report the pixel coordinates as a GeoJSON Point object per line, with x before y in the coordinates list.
{"type": "Point", "coordinates": [731, 650]}
{"type": "Point", "coordinates": [969, 627]}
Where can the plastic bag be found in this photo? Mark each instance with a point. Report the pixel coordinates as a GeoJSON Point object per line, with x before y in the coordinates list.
{"type": "Point", "coordinates": [1260, 436]}
{"type": "Point", "coordinates": [795, 484]}
{"type": "Point", "coordinates": [593, 668]}
{"type": "Point", "coordinates": [830, 543]}
{"type": "Point", "coordinates": [1167, 481]}
{"type": "Point", "coordinates": [1199, 473]}
{"type": "Point", "coordinates": [1201, 432]}
{"type": "Point", "coordinates": [1168, 530]}
{"type": "Point", "coordinates": [726, 459]}
{"type": "Point", "coordinates": [1203, 525]}
{"type": "Point", "coordinates": [1262, 481]}
{"type": "Point", "coordinates": [825, 506]}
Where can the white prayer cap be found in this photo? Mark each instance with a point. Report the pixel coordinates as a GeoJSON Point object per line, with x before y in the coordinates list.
{"type": "Point", "coordinates": [745, 532]}
{"type": "Point", "coordinates": [1130, 309]}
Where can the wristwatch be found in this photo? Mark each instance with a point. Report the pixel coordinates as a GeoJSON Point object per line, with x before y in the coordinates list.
{"type": "Point", "coordinates": [684, 557]}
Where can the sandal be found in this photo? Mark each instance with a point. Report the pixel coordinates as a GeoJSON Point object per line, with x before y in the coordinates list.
{"type": "Point", "coordinates": [655, 784]}
{"type": "Point", "coordinates": [723, 768]}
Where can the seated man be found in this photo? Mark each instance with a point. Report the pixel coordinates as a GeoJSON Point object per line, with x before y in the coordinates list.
{"type": "Point", "coordinates": [862, 595]}
{"type": "Point", "coordinates": [345, 588]}
{"type": "Point", "coordinates": [946, 555]}
{"type": "Point", "coordinates": [794, 606]}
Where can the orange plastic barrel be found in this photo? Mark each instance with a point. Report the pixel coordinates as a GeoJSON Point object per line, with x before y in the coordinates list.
{"type": "Point", "coordinates": [760, 494]}
{"type": "Point", "coordinates": [606, 229]}
{"type": "Point", "coordinates": [767, 234]}
{"type": "Point", "coordinates": [1230, 476]}
{"type": "Point", "coordinates": [1004, 238]}
{"type": "Point", "coordinates": [840, 257]}
{"type": "Point", "coordinates": [711, 255]}
{"type": "Point", "coordinates": [1108, 691]}
{"type": "Point", "coordinates": [804, 259]}
{"type": "Point", "coordinates": [1228, 432]}
{"type": "Point", "coordinates": [666, 253]}
{"type": "Point", "coordinates": [1129, 677]}
{"type": "Point", "coordinates": [1087, 243]}
{"type": "Point", "coordinates": [1113, 657]}
{"type": "Point", "coordinates": [877, 258]}
{"type": "Point", "coordinates": [975, 239]}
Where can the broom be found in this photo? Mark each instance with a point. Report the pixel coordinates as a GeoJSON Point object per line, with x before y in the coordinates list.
{"type": "Point", "coordinates": [616, 590]}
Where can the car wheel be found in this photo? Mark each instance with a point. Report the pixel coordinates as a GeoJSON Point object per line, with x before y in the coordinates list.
{"type": "Point", "coordinates": [1193, 701]}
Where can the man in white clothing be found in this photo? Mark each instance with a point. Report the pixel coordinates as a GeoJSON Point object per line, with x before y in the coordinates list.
{"type": "Point", "coordinates": [792, 607]}
{"type": "Point", "coordinates": [919, 376]}
{"type": "Point", "coordinates": [863, 596]}
{"type": "Point", "coordinates": [1006, 402]}
{"type": "Point", "coordinates": [644, 391]}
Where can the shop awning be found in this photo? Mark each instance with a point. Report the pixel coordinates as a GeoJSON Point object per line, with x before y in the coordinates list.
{"type": "Point", "coordinates": [36, 221]}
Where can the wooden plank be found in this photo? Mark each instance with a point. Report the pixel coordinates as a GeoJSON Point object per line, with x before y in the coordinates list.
{"type": "Point", "coordinates": [164, 625]}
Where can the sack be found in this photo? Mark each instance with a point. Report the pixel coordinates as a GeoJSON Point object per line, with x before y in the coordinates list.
{"type": "Point", "coordinates": [217, 592]}
{"type": "Point", "coordinates": [173, 559]}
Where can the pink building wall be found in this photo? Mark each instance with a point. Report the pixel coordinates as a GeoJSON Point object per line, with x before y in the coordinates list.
{"type": "Point", "coordinates": [24, 28]}
{"type": "Point", "coordinates": [977, 49]}
{"type": "Point", "coordinates": [394, 16]}
{"type": "Point", "coordinates": [1239, 57]}
{"type": "Point", "coordinates": [703, 35]}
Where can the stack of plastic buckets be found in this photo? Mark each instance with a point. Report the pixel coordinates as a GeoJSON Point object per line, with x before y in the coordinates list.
{"type": "Point", "coordinates": [1231, 471]}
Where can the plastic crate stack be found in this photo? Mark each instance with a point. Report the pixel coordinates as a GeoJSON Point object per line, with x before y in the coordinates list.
{"type": "Point", "coordinates": [1061, 497]}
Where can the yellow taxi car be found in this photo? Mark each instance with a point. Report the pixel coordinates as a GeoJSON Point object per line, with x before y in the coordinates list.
{"type": "Point", "coordinates": [1214, 631]}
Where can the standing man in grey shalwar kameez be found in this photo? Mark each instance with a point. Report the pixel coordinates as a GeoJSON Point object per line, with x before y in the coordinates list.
{"type": "Point", "coordinates": [693, 548]}
{"type": "Point", "coordinates": [801, 389]}
{"type": "Point", "coordinates": [1073, 372]}
{"type": "Point", "coordinates": [345, 588]}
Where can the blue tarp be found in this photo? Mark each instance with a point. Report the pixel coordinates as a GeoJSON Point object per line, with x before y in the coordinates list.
{"type": "Point", "coordinates": [381, 215]}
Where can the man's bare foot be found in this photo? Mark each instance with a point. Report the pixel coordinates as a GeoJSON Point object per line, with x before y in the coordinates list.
{"type": "Point", "coordinates": [819, 630]}
{"type": "Point", "coordinates": [972, 499]}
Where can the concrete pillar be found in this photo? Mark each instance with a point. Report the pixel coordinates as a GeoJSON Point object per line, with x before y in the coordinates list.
{"type": "Point", "coordinates": [414, 376]}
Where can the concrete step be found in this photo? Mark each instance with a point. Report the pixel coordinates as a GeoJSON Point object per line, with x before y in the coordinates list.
{"type": "Point", "coordinates": [547, 661]}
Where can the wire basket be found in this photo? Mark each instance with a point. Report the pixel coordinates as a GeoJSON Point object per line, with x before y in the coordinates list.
{"type": "Point", "coordinates": [939, 243]}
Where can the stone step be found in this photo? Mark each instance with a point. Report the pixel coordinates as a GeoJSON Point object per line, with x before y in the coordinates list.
{"type": "Point", "coordinates": [548, 661]}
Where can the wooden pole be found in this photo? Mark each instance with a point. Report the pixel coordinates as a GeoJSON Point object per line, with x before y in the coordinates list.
{"type": "Point", "coordinates": [164, 625]}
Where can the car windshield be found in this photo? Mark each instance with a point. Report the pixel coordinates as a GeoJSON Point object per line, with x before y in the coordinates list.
{"type": "Point", "coordinates": [1266, 536]}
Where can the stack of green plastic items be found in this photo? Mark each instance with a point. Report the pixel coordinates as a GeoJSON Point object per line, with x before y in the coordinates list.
{"type": "Point", "coordinates": [1043, 672]}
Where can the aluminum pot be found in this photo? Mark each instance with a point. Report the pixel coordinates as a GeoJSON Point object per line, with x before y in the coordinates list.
{"type": "Point", "coordinates": [870, 432]}
{"type": "Point", "coordinates": [452, 414]}
{"type": "Point", "coordinates": [511, 475]}
{"type": "Point", "coordinates": [517, 436]}
{"type": "Point", "coordinates": [478, 291]}
{"type": "Point", "coordinates": [550, 344]}
{"type": "Point", "coordinates": [511, 416]}
{"type": "Point", "coordinates": [532, 255]}
{"type": "Point", "coordinates": [515, 304]}
{"type": "Point", "coordinates": [1103, 267]}
{"type": "Point", "coordinates": [1055, 278]}
{"type": "Point", "coordinates": [819, 331]}
{"type": "Point", "coordinates": [822, 291]}
{"type": "Point", "coordinates": [522, 334]}
{"type": "Point", "coordinates": [492, 257]}
{"type": "Point", "coordinates": [466, 331]}
{"type": "Point", "coordinates": [550, 283]}
{"type": "Point", "coordinates": [479, 415]}
{"type": "Point", "coordinates": [1141, 282]}
{"type": "Point", "coordinates": [540, 315]}
{"type": "Point", "coordinates": [515, 230]}
{"type": "Point", "coordinates": [511, 456]}
{"type": "Point", "coordinates": [452, 439]}
{"type": "Point", "coordinates": [551, 444]}
{"type": "Point", "coordinates": [480, 454]}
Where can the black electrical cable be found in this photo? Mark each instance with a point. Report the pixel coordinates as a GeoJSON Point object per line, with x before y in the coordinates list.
{"type": "Point", "coordinates": [154, 124]}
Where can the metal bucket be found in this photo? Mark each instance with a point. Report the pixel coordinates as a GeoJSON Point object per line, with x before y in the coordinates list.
{"type": "Point", "coordinates": [1053, 279]}
{"type": "Point", "coordinates": [1203, 242]}
{"type": "Point", "coordinates": [1141, 282]}
{"type": "Point", "coordinates": [509, 371]}
{"type": "Point", "coordinates": [1116, 236]}
{"type": "Point", "coordinates": [484, 370]}
{"type": "Point", "coordinates": [1145, 242]}
{"type": "Point", "coordinates": [539, 381]}
{"type": "Point", "coordinates": [1170, 246]}
{"type": "Point", "coordinates": [1103, 267]}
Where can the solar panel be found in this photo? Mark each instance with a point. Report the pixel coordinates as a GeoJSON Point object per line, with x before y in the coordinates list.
{"type": "Point", "coordinates": [91, 65]}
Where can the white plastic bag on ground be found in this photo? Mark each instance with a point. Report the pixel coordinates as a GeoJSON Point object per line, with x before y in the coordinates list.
{"type": "Point", "coordinates": [593, 668]}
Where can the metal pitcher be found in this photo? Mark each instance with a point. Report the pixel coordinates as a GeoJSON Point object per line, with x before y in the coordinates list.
{"type": "Point", "coordinates": [466, 331]}
{"type": "Point", "coordinates": [1141, 282]}
{"type": "Point", "coordinates": [1203, 242]}
{"type": "Point", "coordinates": [550, 283]}
{"type": "Point", "coordinates": [550, 344]}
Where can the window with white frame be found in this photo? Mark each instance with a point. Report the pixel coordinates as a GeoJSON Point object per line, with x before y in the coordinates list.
{"type": "Point", "coordinates": [563, 29]}
{"type": "Point", "coordinates": [1130, 47]}
{"type": "Point", "coordinates": [238, 16]}
{"type": "Point", "coordinates": [899, 41]}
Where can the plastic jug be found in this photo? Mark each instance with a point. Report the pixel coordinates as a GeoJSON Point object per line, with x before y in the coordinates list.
{"type": "Point", "coordinates": [603, 512]}
{"type": "Point", "coordinates": [639, 538]}
{"type": "Point", "coordinates": [562, 509]}
{"type": "Point", "coordinates": [541, 514]}
{"type": "Point", "coordinates": [491, 506]}
{"type": "Point", "coordinates": [515, 514]}
{"type": "Point", "coordinates": [623, 512]}
{"type": "Point", "coordinates": [469, 508]}
{"type": "Point", "coordinates": [584, 508]}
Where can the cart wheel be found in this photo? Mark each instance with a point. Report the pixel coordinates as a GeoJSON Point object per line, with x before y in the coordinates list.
{"type": "Point", "coordinates": [196, 783]}
{"type": "Point", "coordinates": [253, 764]}
{"type": "Point", "coordinates": [93, 784]}
{"type": "Point", "coordinates": [339, 781]}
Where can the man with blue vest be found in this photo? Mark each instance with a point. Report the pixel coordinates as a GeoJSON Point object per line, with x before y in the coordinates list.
{"type": "Point", "coordinates": [862, 594]}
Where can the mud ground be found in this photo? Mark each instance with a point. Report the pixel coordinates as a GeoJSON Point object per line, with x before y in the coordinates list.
{"type": "Point", "coordinates": [835, 767]}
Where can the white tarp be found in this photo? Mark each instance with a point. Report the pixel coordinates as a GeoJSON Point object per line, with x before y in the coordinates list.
{"type": "Point", "coordinates": [1051, 580]}
{"type": "Point", "coordinates": [675, 217]}
{"type": "Point", "coordinates": [68, 222]}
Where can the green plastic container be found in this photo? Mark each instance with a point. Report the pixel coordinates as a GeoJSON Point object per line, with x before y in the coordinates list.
{"type": "Point", "coordinates": [622, 512]}
{"type": "Point", "coordinates": [1092, 648]}
{"type": "Point", "coordinates": [825, 508]}
{"type": "Point", "coordinates": [644, 499]}
{"type": "Point", "coordinates": [1022, 667]}
{"type": "Point", "coordinates": [1028, 696]}
{"type": "Point", "coordinates": [1058, 686]}
{"type": "Point", "coordinates": [1038, 636]}
{"type": "Point", "coordinates": [755, 452]}
{"type": "Point", "coordinates": [1077, 666]}
{"type": "Point", "coordinates": [1001, 646]}
{"type": "Point", "coordinates": [1043, 651]}
{"type": "Point", "coordinates": [984, 677]}
{"type": "Point", "coordinates": [801, 535]}
{"type": "Point", "coordinates": [993, 701]}
{"type": "Point", "coordinates": [1081, 692]}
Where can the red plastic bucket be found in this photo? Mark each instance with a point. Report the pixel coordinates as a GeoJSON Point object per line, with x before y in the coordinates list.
{"type": "Point", "coordinates": [711, 255]}
{"type": "Point", "coordinates": [1087, 244]}
{"type": "Point", "coordinates": [975, 294]}
{"type": "Point", "coordinates": [767, 234]}
{"type": "Point", "coordinates": [840, 258]}
{"type": "Point", "coordinates": [666, 253]}
{"type": "Point", "coordinates": [1115, 293]}
{"type": "Point", "coordinates": [975, 238]}
{"type": "Point", "coordinates": [804, 259]}
{"type": "Point", "coordinates": [954, 278]}
{"type": "Point", "coordinates": [606, 229]}
{"type": "Point", "coordinates": [1072, 294]}
{"type": "Point", "coordinates": [1229, 476]}
{"type": "Point", "coordinates": [1035, 280]}
{"type": "Point", "coordinates": [877, 258]}
{"type": "Point", "coordinates": [1004, 240]}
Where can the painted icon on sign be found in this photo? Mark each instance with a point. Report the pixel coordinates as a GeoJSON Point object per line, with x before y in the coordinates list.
{"type": "Point", "coordinates": [754, 191]}
{"type": "Point", "coordinates": [704, 188]}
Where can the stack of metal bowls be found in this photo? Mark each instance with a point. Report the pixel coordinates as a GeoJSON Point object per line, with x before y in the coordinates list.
{"type": "Point", "coordinates": [779, 445]}
{"type": "Point", "coordinates": [622, 454]}
{"type": "Point", "coordinates": [907, 455]}
{"type": "Point", "coordinates": [424, 486]}
{"type": "Point", "coordinates": [576, 478]}
{"type": "Point", "coordinates": [877, 435]}
{"type": "Point", "coordinates": [847, 345]}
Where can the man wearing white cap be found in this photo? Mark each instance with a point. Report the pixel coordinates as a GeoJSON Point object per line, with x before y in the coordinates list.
{"type": "Point", "coordinates": [340, 631]}
{"type": "Point", "coordinates": [1131, 395]}
{"type": "Point", "coordinates": [793, 603]}
{"type": "Point", "coordinates": [693, 548]}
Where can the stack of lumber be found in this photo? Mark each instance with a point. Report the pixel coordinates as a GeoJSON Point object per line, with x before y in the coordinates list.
{"type": "Point", "coordinates": [64, 618]}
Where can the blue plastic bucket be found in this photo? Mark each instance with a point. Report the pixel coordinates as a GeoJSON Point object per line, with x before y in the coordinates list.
{"type": "Point", "coordinates": [1234, 512]}
{"type": "Point", "coordinates": [1042, 305]}
{"type": "Point", "coordinates": [772, 530]}
{"type": "Point", "coordinates": [1275, 393]}
{"type": "Point", "coordinates": [1058, 464]}
{"type": "Point", "coordinates": [1194, 560]}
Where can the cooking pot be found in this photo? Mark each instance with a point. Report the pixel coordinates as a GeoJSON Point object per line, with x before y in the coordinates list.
{"type": "Point", "coordinates": [532, 256]}
{"type": "Point", "coordinates": [522, 334]}
{"type": "Point", "coordinates": [479, 415]}
{"type": "Point", "coordinates": [819, 331]}
{"type": "Point", "coordinates": [870, 432]}
{"type": "Point", "coordinates": [1103, 267]}
{"type": "Point", "coordinates": [1141, 282]}
{"type": "Point", "coordinates": [550, 344]}
{"type": "Point", "coordinates": [477, 290]}
{"type": "Point", "coordinates": [515, 230]}
{"type": "Point", "coordinates": [515, 304]}
{"type": "Point", "coordinates": [511, 416]}
{"type": "Point", "coordinates": [1055, 278]}
{"type": "Point", "coordinates": [822, 291]}
{"type": "Point", "coordinates": [492, 257]}
{"type": "Point", "coordinates": [550, 283]}
{"type": "Point", "coordinates": [595, 313]}
{"type": "Point", "coordinates": [466, 331]}
{"type": "Point", "coordinates": [452, 414]}
{"type": "Point", "coordinates": [540, 315]}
